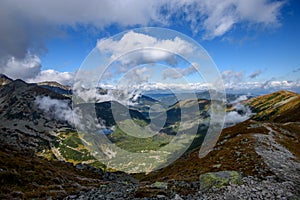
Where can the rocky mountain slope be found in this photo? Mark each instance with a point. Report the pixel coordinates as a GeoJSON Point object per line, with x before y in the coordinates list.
{"type": "Point", "coordinates": [42, 126]}
{"type": "Point", "coordinates": [22, 123]}
{"type": "Point", "coordinates": [35, 144]}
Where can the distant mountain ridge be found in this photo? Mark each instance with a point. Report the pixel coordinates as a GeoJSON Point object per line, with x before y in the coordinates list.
{"type": "Point", "coordinates": [56, 87]}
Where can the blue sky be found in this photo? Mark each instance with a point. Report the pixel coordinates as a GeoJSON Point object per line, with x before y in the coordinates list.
{"type": "Point", "coordinates": [258, 38]}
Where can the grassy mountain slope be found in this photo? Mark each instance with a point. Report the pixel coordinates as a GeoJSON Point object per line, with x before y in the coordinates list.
{"type": "Point", "coordinates": [282, 106]}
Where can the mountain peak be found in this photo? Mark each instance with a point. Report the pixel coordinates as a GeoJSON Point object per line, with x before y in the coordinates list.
{"type": "Point", "coordinates": [4, 80]}
{"type": "Point", "coordinates": [3, 76]}
{"type": "Point", "coordinates": [16, 85]}
{"type": "Point", "coordinates": [19, 81]}
{"type": "Point", "coordinates": [286, 92]}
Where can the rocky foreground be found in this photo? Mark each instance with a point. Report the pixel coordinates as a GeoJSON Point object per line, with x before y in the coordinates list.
{"type": "Point", "coordinates": [251, 188]}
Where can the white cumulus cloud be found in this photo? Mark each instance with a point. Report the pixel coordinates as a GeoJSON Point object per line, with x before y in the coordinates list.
{"type": "Point", "coordinates": [217, 17]}
{"type": "Point", "coordinates": [25, 68]}
{"type": "Point", "coordinates": [29, 69]}
{"type": "Point", "coordinates": [161, 50]}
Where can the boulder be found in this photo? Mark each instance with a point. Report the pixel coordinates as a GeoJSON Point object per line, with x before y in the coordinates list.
{"type": "Point", "coordinates": [219, 179]}
{"type": "Point", "coordinates": [160, 185]}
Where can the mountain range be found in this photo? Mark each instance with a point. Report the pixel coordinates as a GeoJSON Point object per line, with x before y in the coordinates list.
{"type": "Point", "coordinates": [43, 156]}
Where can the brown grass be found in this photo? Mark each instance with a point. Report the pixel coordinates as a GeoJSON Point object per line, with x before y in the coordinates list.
{"type": "Point", "coordinates": [290, 137]}
{"type": "Point", "coordinates": [24, 175]}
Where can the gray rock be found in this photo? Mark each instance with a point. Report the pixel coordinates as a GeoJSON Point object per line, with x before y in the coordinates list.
{"type": "Point", "coordinates": [160, 196]}
{"type": "Point", "coordinates": [177, 197]}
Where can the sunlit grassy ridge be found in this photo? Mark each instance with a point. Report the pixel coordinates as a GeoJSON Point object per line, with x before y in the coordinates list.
{"type": "Point", "coordinates": [276, 106]}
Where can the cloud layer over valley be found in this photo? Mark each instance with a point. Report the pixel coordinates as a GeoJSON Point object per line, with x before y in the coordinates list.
{"type": "Point", "coordinates": [239, 112]}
